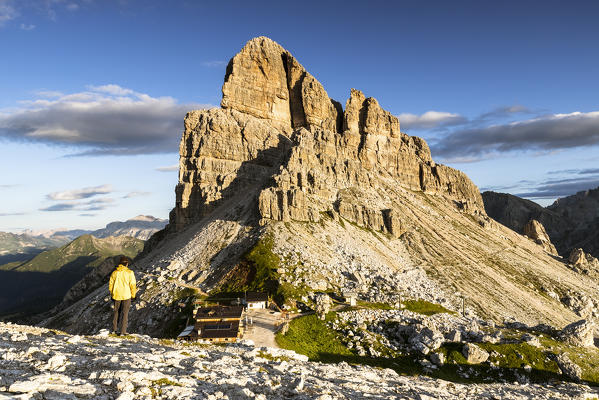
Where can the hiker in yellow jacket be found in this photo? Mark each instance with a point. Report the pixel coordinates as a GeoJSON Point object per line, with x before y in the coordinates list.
{"type": "Point", "coordinates": [122, 289]}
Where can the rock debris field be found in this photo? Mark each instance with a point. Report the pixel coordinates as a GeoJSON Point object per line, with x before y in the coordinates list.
{"type": "Point", "coordinates": [38, 363]}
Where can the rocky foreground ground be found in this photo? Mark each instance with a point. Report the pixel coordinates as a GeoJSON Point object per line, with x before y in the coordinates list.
{"type": "Point", "coordinates": [39, 363]}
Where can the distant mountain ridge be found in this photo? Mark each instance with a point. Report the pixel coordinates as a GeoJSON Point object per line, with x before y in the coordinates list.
{"type": "Point", "coordinates": [140, 227]}
{"type": "Point", "coordinates": [571, 222]}
{"type": "Point", "coordinates": [20, 247]}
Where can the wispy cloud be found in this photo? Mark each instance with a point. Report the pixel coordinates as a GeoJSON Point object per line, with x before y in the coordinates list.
{"type": "Point", "coordinates": [8, 186]}
{"type": "Point", "coordinates": [213, 64]}
{"type": "Point", "coordinates": [103, 120]}
{"type": "Point", "coordinates": [504, 111]}
{"type": "Point", "coordinates": [586, 171]}
{"type": "Point", "coordinates": [135, 194]}
{"type": "Point", "coordinates": [12, 214]}
{"type": "Point", "coordinates": [8, 12]}
{"type": "Point", "coordinates": [552, 189]}
{"type": "Point", "coordinates": [92, 205]}
{"type": "Point", "coordinates": [77, 194]}
{"type": "Point", "coordinates": [542, 134]}
{"type": "Point", "coordinates": [430, 120]}
{"type": "Point", "coordinates": [60, 207]}
{"type": "Point", "coordinates": [27, 27]}
{"type": "Point", "coordinates": [169, 168]}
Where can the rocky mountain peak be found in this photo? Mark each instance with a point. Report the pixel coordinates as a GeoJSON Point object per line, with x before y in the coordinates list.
{"type": "Point", "coordinates": [264, 80]}
{"type": "Point", "coordinates": [278, 134]}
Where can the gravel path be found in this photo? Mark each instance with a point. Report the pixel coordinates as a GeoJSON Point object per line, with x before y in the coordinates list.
{"type": "Point", "coordinates": [262, 331]}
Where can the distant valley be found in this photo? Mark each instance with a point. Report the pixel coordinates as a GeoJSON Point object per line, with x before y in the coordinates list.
{"type": "Point", "coordinates": [31, 287]}
{"type": "Point", "coordinates": [38, 268]}
{"type": "Point", "coordinates": [23, 247]}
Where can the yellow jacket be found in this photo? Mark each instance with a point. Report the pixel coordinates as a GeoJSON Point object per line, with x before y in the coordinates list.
{"type": "Point", "coordinates": [122, 283]}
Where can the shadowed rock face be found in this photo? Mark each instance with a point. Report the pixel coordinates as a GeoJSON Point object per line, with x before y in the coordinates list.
{"type": "Point", "coordinates": [282, 142]}
{"type": "Point", "coordinates": [571, 222]}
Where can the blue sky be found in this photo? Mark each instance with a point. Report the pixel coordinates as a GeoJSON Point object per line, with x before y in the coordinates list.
{"type": "Point", "coordinates": [93, 92]}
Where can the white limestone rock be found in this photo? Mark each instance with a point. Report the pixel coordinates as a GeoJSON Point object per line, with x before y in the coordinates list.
{"type": "Point", "coordinates": [474, 354]}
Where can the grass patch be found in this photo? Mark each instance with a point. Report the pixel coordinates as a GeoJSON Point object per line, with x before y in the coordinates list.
{"type": "Point", "coordinates": [165, 382]}
{"type": "Point", "coordinates": [127, 337]}
{"type": "Point", "coordinates": [425, 307]}
{"type": "Point", "coordinates": [585, 358]}
{"type": "Point", "coordinates": [310, 336]}
{"type": "Point", "coordinates": [270, 357]}
{"type": "Point", "coordinates": [257, 272]}
{"type": "Point", "coordinates": [517, 355]}
{"type": "Point", "coordinates": [373, 306]}
{"type": "Point", "coordinates": [180, 293]}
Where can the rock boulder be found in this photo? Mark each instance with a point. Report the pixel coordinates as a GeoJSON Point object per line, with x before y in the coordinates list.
{"type": "Point", "coordinates": [536, 232]}
{"type": "Point", "coordinates": [579, 333]}
{"type": "Point", "coordinates": [474, 354]}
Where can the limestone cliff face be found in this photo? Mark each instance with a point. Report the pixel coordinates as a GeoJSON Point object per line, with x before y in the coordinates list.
{"type": "Point", "coordinates": [280, 138]}
{"type": "Point", "coordinates": [265, 81]}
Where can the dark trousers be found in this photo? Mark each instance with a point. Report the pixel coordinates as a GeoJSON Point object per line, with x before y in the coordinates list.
{"type": "Point", "coordinates": [122, 306]}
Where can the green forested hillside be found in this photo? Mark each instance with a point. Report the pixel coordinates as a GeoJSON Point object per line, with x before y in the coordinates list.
{"type": "Point", "coordinates": [39, 284]}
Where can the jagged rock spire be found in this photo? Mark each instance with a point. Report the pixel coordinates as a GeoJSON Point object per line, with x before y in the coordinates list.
{"type": "Point", "coordinates": [266, 81]}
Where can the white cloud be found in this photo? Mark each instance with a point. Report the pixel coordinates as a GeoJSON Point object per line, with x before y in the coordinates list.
{"type": "Point", "coordinates": [106, 119]}
{"type": "Point", "coordinates": [112, 89]}
{"type": "Point", "coordinates": [429, 120]}
{"type": "Point", "coordinates": [27, 27]}
{"type": "Point", "coordinates": [91, 205]}
{"type": "Point", "coordinates": [135, 194]}
{"type": "Point", "coordinates": [77, 194]}
{"type": "Point", "coordinates": [169, 168]}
